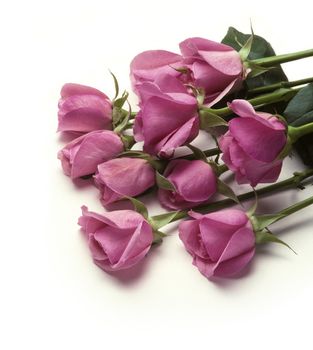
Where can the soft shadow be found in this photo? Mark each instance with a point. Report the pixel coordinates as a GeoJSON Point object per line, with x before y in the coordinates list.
{"type": "Point", "coordinates": [227, 283]}
{"type": "Point", "coordinates": [83, 183]}
{"type": "Point", "coordinates": [67, 137]}
{"type": "Point", "coordinates": [120, 205]}
{"type": "Point", "coordinates": [293, 227]}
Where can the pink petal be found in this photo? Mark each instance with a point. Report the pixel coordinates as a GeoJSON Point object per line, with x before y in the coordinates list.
{"type": "Point", "coordinates": [149, 64]}
{"type": "Point", "coordinates": [226, 62]}
{"type": "Point", "coordinates": [182, 175]}
{"type": "Point", "coordinates": [185, 134]}
{"type": "Point", "coordinates": [138, 172]}
{"type": "Point", "coordinates": [257, 140]}
{"type": "Point", "coordinates": [71, 89]}
{"type": "Point", "coordinates": [95, 148]}
{"type": "Point", "coordinates": [192, 46]}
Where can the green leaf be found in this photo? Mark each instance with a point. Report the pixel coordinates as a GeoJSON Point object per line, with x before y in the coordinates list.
{"type": "Point", "coordinates": [210, 120]}
{"type": "Point", "coordinates": [226, 191]}
{"type": "Point", "coordinates": [259, 48]}
{"type": "Point", "coordinates": [262, 221]}
{"type": "Point", "coordinates": [164, 183]}
{"type": "Point", "coordinates": [158, 221]}
{"type": "Point", "coordinates": [198, 154]}
{"type": "Point", "coordinates": [299, 110]}
{"type": "Point", "coordinates": [115, 85]}
{"type": "Point", "coordinates": [139, 207]}
{"type": "Point", "coordinates": [266, 236]}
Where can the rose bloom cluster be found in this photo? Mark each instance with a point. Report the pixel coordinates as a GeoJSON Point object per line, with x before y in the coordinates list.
{"type": "Point", "coordinates": [166, 83]}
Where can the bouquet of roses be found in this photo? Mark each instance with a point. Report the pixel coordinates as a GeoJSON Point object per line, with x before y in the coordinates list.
{"type": "Point", "coordinates": [237, 92]}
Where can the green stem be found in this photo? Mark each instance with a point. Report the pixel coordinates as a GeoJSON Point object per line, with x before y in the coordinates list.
{"type": "Point", "coordinates": [292, 182]}
{"type": "Point", "coordinates": [275, 60]}
{"type": "Point", "coordinates": [296, 132]}
{"type": "Point", "coordinates": [276, 96]}
{"type": "Point", "coordinates": [209, 153]}
{"type": "Point", "coordinates": [282, 84]}
{"type": "Point", "coordinates": [221, 169]}
{"type": "Point", "coordinates": [294, 208]}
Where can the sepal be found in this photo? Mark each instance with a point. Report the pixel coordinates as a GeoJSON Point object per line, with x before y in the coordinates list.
{"type": "Point", "coordinates": [226, 191]}
{"type": "Point", "coordinates": [266, 236]}
{"type": "Point", "coordinates": [139, 207]}
{"type": "Point", "coordinates": [164, 183]}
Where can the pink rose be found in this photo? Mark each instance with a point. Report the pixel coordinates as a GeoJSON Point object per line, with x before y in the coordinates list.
{"type": "Point", "coordinates": [168, 117]}
{"type": "Point", "coordinates": [121, 177]}
{"type": "Point", "coordinates": [83, 109]}
{"type": "Point", "coordinates": [194, 180]}
{"type": "Point", "coordinates": [148, 65]}
{"type": "Point", "coordinates": [118, 239]}
{"type": "Point", "coordinates": [82, 156]}
{"type": "Point", "coordinates": [215, 67]}
{"type": "Point", "coordinates": [252, 145]}
{"type": "Point", "coordinates": [221, 243]}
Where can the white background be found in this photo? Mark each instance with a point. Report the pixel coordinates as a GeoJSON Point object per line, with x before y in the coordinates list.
{"type": "Point", "coordinates": [52, 295]}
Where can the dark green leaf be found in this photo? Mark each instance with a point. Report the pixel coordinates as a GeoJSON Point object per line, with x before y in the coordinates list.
{"type": "Point", "coordinates": [300, 109]}
{"type": "Point", "coordinates": [259, 48]}
{"type": "Point", "coordinates": [299, 112]}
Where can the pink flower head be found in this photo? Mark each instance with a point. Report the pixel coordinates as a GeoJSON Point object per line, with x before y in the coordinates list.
{"type": "Point", "coordinates": [118, 239]}
{"type": "Point", "coordinates": [82, 156]}
{"type": "Point", "coordinates": [121, 177]}
{"type": "Point", "coordinates": [194, 180]}
{"type": "Point", "coordinates": [83, 109]}
{"type": "Point", "coordinates": [215, 67]}
{"type": "Point", "coordinates": [252, 144]}
{"type": "Point", "coordinates": [221, 243]}
{"type": "Point", "coordinates": [148, 65]}
{"type": "Point", "coordinates": [168, 117]}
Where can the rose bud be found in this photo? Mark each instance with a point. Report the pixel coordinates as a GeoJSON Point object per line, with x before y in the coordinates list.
{"type": "Point", "coordinates": [82, 156]}
{"type": "Point", "coordinates": [148, 65]}
{"type": "Point", "coordinates": [194, 181]}
{"type": "Point", "coordinates": [252, 145]}
{"type": "Point", "coordinates": [221, 243]}
{"type": "Point", "coordinates": [215, 67]}
{"type": "Point", "coordinates": [83, 109]}
{"type": "Point", "coordinates": [168, 117]}
{"type": "Point", "coordinates": [118, 239]}
{"type": "Point", "coordinates": [122, 177]}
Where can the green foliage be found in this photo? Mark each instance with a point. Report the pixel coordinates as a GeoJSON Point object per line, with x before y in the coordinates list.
{"type": "Point", "coordinates": [259, 48]}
